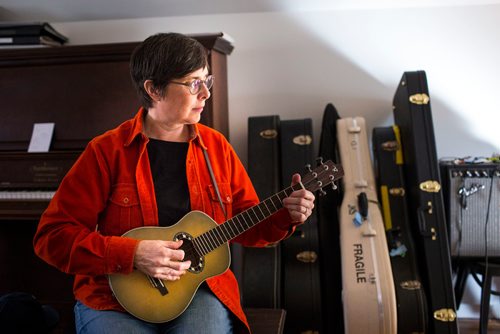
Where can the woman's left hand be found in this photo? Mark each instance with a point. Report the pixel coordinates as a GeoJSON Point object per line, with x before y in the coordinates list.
{"type": "Point", "coordinates": [300, 203]}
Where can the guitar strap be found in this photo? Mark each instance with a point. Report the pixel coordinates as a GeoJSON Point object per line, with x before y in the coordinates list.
{"type": "Point", "coordinates": [212, 176]}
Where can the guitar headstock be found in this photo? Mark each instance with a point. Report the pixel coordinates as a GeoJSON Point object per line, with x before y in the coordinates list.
{"type": "Point", "coordinates": [326, 173]}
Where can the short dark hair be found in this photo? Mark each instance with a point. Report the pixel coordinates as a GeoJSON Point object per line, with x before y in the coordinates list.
{"type": "Point", "coordinates": [162, 58]}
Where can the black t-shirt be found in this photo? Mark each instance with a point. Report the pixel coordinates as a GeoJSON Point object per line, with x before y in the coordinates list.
{"type": "Point", "coordinates": [168, 167]}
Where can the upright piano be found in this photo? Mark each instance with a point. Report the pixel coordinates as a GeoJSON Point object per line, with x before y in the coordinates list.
{"type": "Point", "coordinates": [84, 90]}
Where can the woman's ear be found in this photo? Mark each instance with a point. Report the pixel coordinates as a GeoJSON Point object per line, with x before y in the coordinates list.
{"type": "Point", "coordinates": [153, 93]}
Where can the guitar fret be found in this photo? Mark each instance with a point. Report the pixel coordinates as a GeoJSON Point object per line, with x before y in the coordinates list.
{"type": "Point", "coordinates": [246, 219]}
{"type": "Point", "coordinates": [231, 225]}
{"type": "Point", "coordinates": [267, 208]}
{"type": "Point", "coordinates": [204, 244]}
{"type": "Point", "coordinates": [261, 212]}
{"type": "Point", "coordinates": [279, 205]}
{"type": "Point", "coordinates": [220, 237]}
{"type": "Point", "coordinates": [240, 224]}
{"type": "Point", "coordinates": [281, 195]}
{"type": "Point", "coordinates": [254, 220]}
{"type": "Point", "coordinates": [211, 236]}
{"type": "Point", "coordinates": [203, 248]}
{"type": "Point", "coordinates": [230, 233]}
{"type": "Point", "coordinates": [234, 227]}
{"type": "Point", "coordinates": [270, 199]}
{"type": "Point", "coordinates": [198, 246]}
{"type": "Point", "coordinates": [206, 241]}
{"type": "Point", "coordinates": [225, 234]}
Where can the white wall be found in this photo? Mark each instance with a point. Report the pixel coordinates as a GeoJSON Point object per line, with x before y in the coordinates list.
{"type": "Point", "coordinates": [293, 64]}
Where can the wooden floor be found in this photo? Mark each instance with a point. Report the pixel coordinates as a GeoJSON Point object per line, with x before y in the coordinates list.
{"type": "Point", "coordinates": [471, 326]}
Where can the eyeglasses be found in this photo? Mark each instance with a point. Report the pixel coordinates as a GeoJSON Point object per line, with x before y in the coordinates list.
{"type": "Point", "coordinates": [195, 85]}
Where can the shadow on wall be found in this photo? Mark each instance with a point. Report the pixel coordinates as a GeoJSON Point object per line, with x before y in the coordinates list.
{"type": "Point", "coordinates": [295, 71]}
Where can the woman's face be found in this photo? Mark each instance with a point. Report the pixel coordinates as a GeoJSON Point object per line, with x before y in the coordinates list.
{"type": "Point", "coordinates": [178, 106]}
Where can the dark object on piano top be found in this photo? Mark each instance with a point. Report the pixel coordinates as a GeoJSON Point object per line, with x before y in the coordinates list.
{"type": "Point", "coordinates": [20, 312]}
{"type": "Point", "coordinates": [13, 29]}
{"type": "Point", "coordinates": [29, 41]}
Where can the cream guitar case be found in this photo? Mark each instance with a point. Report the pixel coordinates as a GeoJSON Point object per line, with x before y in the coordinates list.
{"type": "Point", "coordinates": [368, 293]}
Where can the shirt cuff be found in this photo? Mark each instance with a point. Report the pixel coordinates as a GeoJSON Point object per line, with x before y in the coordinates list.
{"type": "Point", "coordinates": [121, 251]}
{"type": "Point", "coordinates": [283, 222]}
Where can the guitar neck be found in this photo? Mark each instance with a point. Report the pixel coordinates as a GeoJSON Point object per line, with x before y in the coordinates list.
{"type": "Point", "coordinates": [324, 174]}
{"type": "Point", "coordinates": [242, 222]}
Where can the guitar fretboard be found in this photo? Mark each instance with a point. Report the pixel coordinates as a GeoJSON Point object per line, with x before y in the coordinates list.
{"type": "Point", "coordinates": [210, 240]}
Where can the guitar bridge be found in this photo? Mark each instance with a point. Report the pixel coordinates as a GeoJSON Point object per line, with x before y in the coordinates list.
{"type": "Point", "coordinates": [158, 284]}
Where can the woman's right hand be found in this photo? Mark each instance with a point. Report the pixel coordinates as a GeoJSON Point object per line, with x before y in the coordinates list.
{"type": "Point", "coordinates": [161, 259]}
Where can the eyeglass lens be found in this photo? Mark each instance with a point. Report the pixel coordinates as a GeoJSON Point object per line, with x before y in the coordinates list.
{"type": "Point", "coordinates": [196, 85]}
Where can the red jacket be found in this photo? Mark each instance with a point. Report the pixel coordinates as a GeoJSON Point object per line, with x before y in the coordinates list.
{"type": "Point", "coordinates": [110, 190]}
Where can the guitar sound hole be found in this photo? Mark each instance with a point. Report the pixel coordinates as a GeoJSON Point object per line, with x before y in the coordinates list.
{"type": "Point", "coordinates": [190, 253]}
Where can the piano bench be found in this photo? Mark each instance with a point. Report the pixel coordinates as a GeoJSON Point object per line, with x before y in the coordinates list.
{"type": "Point", "coordinates": [266, 320]}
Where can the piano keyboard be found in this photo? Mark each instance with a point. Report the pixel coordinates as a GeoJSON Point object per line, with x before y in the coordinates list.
{"type": "Point", "coordinates": [26, 195]}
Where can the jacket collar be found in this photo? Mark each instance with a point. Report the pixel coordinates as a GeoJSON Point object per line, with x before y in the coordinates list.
{"type": "Point", "coordinates": [138, 125]}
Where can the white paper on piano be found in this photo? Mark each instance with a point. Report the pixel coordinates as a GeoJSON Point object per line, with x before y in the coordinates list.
{"type": "Point", "coordinates": [41, 137]}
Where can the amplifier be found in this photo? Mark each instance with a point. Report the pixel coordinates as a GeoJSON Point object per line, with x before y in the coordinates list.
{"type": "Point", "coordinates": [472, 202]}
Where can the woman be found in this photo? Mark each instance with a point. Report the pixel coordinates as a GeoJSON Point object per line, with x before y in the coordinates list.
{"type": "Point", "coordinates": [151, 171]}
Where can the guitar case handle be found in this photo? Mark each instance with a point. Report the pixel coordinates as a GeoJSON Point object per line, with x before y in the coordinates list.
{"type": "Point", "coordinates": [425, 231]}
{"type": "Point", "coordinates": [363, 205]}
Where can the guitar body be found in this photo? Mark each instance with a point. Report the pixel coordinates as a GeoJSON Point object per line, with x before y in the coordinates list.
{"type": "Point", "coordinates": [140, 298]}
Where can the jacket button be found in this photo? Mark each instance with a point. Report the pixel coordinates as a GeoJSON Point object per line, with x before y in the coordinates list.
{"type": "Point", "coordinates": [228, 199]}
{"type": "Point", "coordinates": [125, 200]}
{"type": "Point", "coordinates": [118, 268]}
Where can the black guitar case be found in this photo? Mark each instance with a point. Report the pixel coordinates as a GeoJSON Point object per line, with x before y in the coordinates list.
{"type": "Point", "coordinates": [261, 279]}
{"type": "Point", "coordinates": [410, 294]}
{"type": "Point", "coordinates": [301, 296]}
{"type": "Point", "coordinates": [327, 207]}
{"type": "Point", "coordinates": [412, 114]}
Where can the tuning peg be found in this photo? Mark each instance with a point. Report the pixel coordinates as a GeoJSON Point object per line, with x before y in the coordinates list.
{"type": "Point", "coordinates": [308, 167]}
{"type": "Point", "coordinates": [334, 186]}
{"type": "Point", "coordinates": [319, 160]}
{"type": "Point", "coordinates": [322, 192]}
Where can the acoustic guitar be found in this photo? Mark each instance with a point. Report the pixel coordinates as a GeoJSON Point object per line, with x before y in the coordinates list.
{"type": "Point", "coordinates": [205, 244]}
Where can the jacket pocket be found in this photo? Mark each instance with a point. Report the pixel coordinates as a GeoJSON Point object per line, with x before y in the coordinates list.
{"type": "Point", "coordinates": [123, 212]}
{"type": "Point", "coordinates": [227, 200]}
